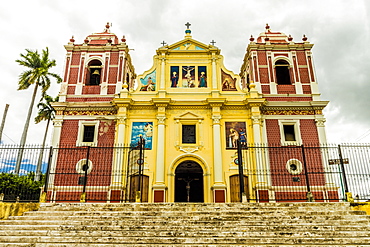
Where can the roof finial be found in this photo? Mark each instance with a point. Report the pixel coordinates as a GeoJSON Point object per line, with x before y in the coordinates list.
{"type": "Point", "coordinates": [304, 38]}
{"type": "Point", "coordinates": [188, 31]}
{"type": "Point", "coordinates": [107, 28]}
{"type": "Point", "coordinates": [290, 38]}
{"type": "Point", "coordinates": [123, 39]}
{"type": "Point", "coordinates": [251, 39]}
{"type": "Point", "coordinates": [267, 27]}
{"type": "Point", "coordinates": [72, 39]}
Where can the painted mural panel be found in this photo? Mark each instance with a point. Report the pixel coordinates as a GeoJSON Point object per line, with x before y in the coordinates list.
{"type": "Point", "coordinates": [144, 129]}
{"type": "Point", "coordinates": [149, 82]}
{"type": "Point", "coordinates": [233, 132]}
{"type": "Point", "coordinates": [228, 82]}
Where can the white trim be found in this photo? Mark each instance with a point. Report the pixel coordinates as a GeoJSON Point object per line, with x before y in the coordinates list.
{"type": "Point", "coordinates": [297, 132]}
{"type": "Point", "coordinates": [80, 135]}
{"type": "Point", "coordinates": [80, 165]}
{"type": "Point", "coordinates": [298, 164]}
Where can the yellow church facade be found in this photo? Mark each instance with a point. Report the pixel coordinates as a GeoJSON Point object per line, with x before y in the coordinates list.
{"type": "Point", "coordinates": [174, 105]}
{"type": "Point", "coordinates": [191, 112]}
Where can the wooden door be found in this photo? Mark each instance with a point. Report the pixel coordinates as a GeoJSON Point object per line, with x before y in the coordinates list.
{"type": "Point", "coordinates": [235, 188]}
{"type": "Point", "coordinates": [134, 187]}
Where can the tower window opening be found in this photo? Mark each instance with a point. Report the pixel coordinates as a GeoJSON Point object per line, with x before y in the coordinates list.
{"type": "Point", "coordinates": [93, 77]}
{"type": "Point", "coordinates": [282, 72]}
{"type": "Point", "coordinates": [88, 135]}
{"type": "Point", "coordinates": [289, 133]}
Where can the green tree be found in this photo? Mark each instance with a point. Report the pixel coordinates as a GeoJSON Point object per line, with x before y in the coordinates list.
{"type": "Point", "coordinates": [24, 187]}
{"type": "Point", "coordinates": [46, 113]}
{"type": "Point", "coordinates": [37, 74]}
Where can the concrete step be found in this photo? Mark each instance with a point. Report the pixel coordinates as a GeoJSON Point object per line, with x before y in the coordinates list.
{"type": "Point", "coordinates": [190, 240]}
{"type": "Point", "coordinates": [188, 224]}
{"type": "Point", "coordinates": [171, 245]}
{"type": "Point", "coordinates": [293, 228]}
{"type": "Point", "coordinates": [220, 222]}
{"type": "Point", "coordinates": [230, 233]}
{"type": "Point", "coordinates": [192, 206]}
{"type": "Point", "coordinates": [189, 213]}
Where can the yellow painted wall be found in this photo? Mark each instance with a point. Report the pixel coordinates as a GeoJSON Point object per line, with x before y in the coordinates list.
{"type": "Point", "coordinates": [16, 209]}
{"type": "Point", "coordinates": [195, 106]}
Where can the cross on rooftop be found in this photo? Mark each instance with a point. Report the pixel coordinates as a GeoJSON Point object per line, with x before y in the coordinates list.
{"type": "Point", "coordinates": [213, 42]}
{"type": "Point", "coordinates": [163, 43]}
{"type": "Point", "coordinates": [187, 25]}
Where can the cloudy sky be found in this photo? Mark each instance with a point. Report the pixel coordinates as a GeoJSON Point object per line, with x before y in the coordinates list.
{"type": "Point", "coordinates": [339, 29]}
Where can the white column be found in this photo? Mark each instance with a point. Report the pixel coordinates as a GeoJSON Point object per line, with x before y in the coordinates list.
{"type": "Point", "coordinates": [159, 174]}
{"type": "Point", "coordinates": [298, 87]}
{"type": "Point", "coordinates": [214, 73]}
{"type": "Point", "coordinates": [56, 132]}
{"type": "Point", "coordinates": [256, 129]}
{"type": "Point", "coordinates": [273, 87]}
{"type": "Point", "coordinates": [325, 156]}
{"type": "Point", "coordinates": [121, 126]}
{"type": "Point", "coordinates": [217, 152]}
{"type": "Point", "coordinates": [55, 143]}
{"type": "Point", "coordinates": [320, 124]}
{"type": "Point", "coordinates": [163, 65]}
{"type": "Point", "coordinates": [117, 168]}
{"type": "Point", "coordinates": [259, 152]}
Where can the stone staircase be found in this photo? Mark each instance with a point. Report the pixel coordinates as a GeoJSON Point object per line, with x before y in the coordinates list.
{"type": "Point", "coordinates": [188, 224]}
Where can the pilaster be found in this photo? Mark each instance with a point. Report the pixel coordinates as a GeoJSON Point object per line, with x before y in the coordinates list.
{"type": "Point", "coordinates": [159, 187]}
{"type": "Point", "coordinates": [219, 185]}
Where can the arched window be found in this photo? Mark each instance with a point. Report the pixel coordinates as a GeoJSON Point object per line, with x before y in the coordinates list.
{"type": "Point", "coordinates": [282, 72]}
{"type": "Point", "coordinates": [93, 76]}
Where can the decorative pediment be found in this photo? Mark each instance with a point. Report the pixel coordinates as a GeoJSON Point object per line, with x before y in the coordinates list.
{"type": "Point", "coordinates": [189, 116]}
{"type": "Point", "coordinates": [188, 45]}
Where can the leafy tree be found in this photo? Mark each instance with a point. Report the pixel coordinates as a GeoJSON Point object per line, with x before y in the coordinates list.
{"type": "Point", "coordinates": [24, 187]}
{"type": "Point", "coordinates": [46, 112]}
{"type": "Point", "coordinates": [37, 74]}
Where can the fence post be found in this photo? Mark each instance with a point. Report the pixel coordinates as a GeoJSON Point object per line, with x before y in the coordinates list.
{"type": "Point", "coordinates": [349, 197]}
{"type": "Point", "coordinates": [310, 197]}
{"type": "Point", "coordinates": [85, 168]}
{"type": "Point", "coordinates": [243, 196]}
{"type": "Point", "coordinates": [140, 163]}
{"type": "Point", "coordinates": [44, 193]}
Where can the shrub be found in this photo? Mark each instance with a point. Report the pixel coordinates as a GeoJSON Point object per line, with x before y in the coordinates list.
{"type": "Point", "coordinates": [25, 187]}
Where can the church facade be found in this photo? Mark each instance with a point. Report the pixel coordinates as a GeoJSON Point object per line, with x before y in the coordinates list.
{"type": "Point", "coordinates": [191, 111]}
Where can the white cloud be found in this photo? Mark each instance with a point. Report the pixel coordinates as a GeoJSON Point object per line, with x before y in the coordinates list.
{"type": "Point", "coordinates": [339, 29]}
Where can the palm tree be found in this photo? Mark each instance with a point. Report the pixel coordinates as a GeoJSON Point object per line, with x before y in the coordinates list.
{"type": "Point", "coordinates": [38, 74]}
{"type": "Point", "coordinates": [46, 112]}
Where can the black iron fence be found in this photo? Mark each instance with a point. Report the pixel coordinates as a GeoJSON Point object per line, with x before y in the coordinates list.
{"type": "Point", "coordinates": [117, 174]}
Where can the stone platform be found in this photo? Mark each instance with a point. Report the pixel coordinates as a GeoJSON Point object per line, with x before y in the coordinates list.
{"type": "Point", "coordinates": [188, 224]}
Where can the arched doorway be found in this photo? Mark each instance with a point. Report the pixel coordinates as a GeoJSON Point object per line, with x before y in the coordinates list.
{"type": "Point", "coordinates": [189, 182]}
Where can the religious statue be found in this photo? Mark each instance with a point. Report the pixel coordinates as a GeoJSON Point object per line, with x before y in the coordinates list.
{"type": "Point", "coordinates": [202, 80]}
{"type": "Point", "coordinates": [174, 79]}
{"type": "Point", "coordinates": [188, 77]}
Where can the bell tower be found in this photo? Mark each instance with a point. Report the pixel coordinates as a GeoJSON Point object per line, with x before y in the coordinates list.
{"type": "Point", "coordinates": [281, 71]}
{"type": "Point", "coordinates": [95, 71]}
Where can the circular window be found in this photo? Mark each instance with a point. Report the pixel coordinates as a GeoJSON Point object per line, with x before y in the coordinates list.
{"type": "Point", "coordinates": [81, 166]}
{"type": "Point", "coordinates": [294, 166]}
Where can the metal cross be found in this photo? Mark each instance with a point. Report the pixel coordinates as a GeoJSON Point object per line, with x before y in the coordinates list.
{"type": "Point", "coordinates": [187, 25]}
{"type": "Point", "coordinates": [213, 42]}
{"type": "Point", "coordinates": [163, 43]}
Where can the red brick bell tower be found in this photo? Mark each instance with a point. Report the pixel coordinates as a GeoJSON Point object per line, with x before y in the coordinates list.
{"type": "Point", "coordinates": [95, 71]}
{"type": "Point", "coordinates": [281, 71]}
